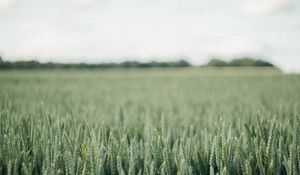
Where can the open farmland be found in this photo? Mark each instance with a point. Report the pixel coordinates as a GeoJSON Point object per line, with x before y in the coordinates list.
{"type": "Point", "coordinates": [149, 121]}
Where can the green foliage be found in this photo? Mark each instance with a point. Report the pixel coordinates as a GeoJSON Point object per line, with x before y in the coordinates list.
{"type": "Point", "coordinates": [216, 62]}
{"type": "Point", "coordinates": [126, 64]}
{"type": "Point", "coordinates": [67, 123]}
{"type": "Point", "coordinates": [240, 62]}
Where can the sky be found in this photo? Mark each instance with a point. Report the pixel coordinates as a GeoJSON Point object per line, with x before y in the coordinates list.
{"type": "Point", "coordinates": [95, 31]}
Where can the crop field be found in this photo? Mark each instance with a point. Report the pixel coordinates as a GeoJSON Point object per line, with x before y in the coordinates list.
{"type": "Point", "coordinates": [150, 121]}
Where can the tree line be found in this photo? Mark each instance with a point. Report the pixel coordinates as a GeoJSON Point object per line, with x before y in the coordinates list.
{"type": "Point", "coordinates": [133, 64]}
{"type": "Point", "coordinates": [125, 64]}
{"type": "Point", "coordinates": [249, 62]}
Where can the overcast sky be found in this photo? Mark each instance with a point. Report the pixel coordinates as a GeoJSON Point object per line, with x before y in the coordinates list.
{"type": "Point", "coordinates": [116, 30]}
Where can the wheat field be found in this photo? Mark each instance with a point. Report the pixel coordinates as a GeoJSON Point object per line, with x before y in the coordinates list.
{"type": "Point", "coordinates": [150, 121]}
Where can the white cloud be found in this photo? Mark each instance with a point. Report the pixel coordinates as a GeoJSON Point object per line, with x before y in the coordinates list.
{"type": "Point", "coordinates": [5, 4]}
{"type": "Point", "coordinates": [288, 62]}
{"type": "Point", "coordinates": [85, 4]}
{"type": "Point", "coordinates": [262, 7]}
{"type": "Point", "coordinates": [237, 46]}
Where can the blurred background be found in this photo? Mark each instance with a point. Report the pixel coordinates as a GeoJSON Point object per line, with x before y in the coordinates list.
{"type": "Point", "coordinates": [101, 31]}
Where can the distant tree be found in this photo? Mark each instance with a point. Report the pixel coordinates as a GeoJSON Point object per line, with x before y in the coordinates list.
{"type": "Point", "coordinates": [239, 63]}
{"type": "Point", "coordinates": [249, 62]}
{"type": "Point", "coordinates": [129, 64]}
{"type": "Point", "coordinates": [242, 62]}
{"type": "Point", "coordinates": [216, 63]}
{"type": "Point", "coordinates": [183, 63]}
{"type": "Point", "coordinates": [263, 63]}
